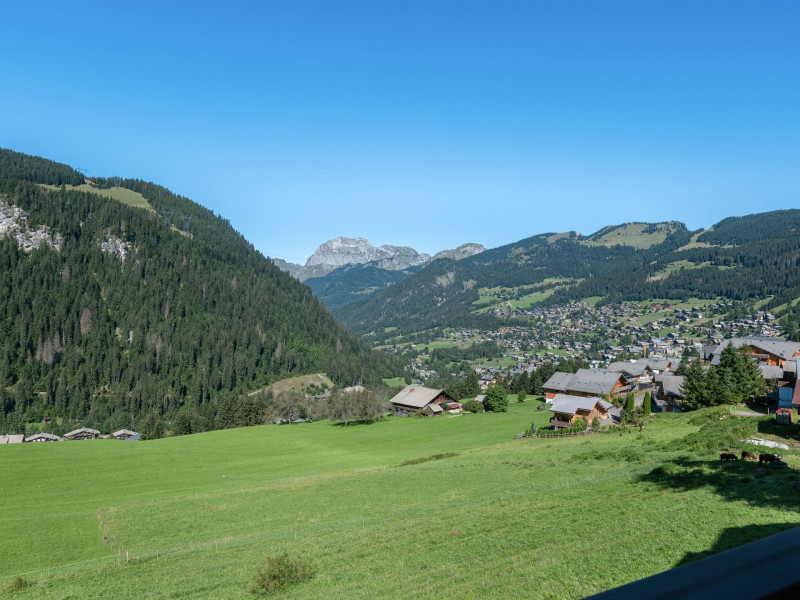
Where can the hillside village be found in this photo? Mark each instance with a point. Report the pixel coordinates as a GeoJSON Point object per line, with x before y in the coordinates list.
{"type": "Point", "coordinates": [601, 335]}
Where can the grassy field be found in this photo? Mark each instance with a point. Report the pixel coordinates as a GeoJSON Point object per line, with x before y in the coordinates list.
{"type": "Point", "coordinates": [122, 194]}
{"type": "Point", "coordinates": [632, 234]}
{"type": "Point", "coordinates": [450, 507]}
{"type": "Point", "coordinates": [298, 384]}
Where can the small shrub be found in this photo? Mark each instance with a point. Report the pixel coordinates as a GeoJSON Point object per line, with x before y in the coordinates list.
{"type": "Point", "coordinates": [18, 584]}
{"type": "Point", "coordinates": [280, 571]}
{"type": "Point", "coordinates": [473, 406]}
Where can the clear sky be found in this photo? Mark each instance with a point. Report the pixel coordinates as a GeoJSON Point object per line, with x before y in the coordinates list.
{"type": "Point", "coordinates": [423, 123]}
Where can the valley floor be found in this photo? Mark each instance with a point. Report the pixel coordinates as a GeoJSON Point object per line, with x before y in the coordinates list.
{"type": "Point", "coordinates": [489, 517]}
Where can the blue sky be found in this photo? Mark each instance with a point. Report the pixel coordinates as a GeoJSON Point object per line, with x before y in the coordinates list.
{"type": "Point", "coordinates": [423, 123]}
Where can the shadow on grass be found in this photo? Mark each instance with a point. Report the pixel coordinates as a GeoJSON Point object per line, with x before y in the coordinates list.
{"type": "Point", "coordinates": [356, 422]}
{"type": "Point", "coordinates": [735, 481]}
{"type": "Point", "coordinates": [736, 536]}
{"type": "Point", "coordinates": [771, 427]}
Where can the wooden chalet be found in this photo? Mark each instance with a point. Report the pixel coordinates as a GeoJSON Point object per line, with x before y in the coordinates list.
{"type": "Point", "coordinates": [567, 408]}
{"type": "Point", "coordinates": [587, 383]}
{"type": "Point", "coordinates": [12, 438]}
{"type": "Point", "coordinates": [84, 433]}
{"type": "Point", "coordinates": [43, 437]}
{"type": "Point", "coordinates": [668, 391]}
{"type": "Point", "coordinates": [419, 399]}
{"type": "Point", "coordinates": [127, 435]}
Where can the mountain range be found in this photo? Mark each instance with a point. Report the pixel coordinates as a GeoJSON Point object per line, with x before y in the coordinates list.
{"type": "Point", "coordinates": [344, 269]}
{"type": "Point", "coordinates": [740, 258]}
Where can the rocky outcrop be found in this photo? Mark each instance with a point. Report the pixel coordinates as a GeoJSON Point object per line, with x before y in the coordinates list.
{"type": "Point", "coordinates": [463, 251]}
{"type": "Point", "coordinates": [14, 222]}
{"type": "Point", "coordinates": [344, 251]}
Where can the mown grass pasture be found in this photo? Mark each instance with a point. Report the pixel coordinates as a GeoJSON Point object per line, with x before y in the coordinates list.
{"type": "Point", "coordinates": [121, 194]}
{"type": "Point", "coordinates": [448, 507]}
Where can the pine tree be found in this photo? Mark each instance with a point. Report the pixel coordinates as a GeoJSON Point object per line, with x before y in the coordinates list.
{"type": "Point", "coordinates": [630, 403]}
{"type": "Point", "coordinates": [646, 405]}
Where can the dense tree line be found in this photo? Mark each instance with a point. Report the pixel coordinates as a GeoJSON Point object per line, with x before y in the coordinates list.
{"type": "Point", "coordinates": [737, 378]}
{"type": "Point", "coordinates": [183, 322]}
{"type": "Point", "coordinates": [15, 165]}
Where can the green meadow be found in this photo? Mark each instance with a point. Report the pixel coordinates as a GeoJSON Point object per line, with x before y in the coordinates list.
{"type": "Point", "coordinates": [123, 195]}
{"type": "Point", "coordinates": [447, 507]}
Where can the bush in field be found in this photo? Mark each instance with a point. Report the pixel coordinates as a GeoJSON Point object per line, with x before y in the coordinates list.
{"type": "Point", "coordinates": [496, 399]}
{"type": "Point", "coordinates": [647, 404]}
{"type": "Point", "coordinates": [473, 406]}
{"type": "Point", "coordinates": [280, 571]}
{"type": "Point", "coordinates": [578, 424]}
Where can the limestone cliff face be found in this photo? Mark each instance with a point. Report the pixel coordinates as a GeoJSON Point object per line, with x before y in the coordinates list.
{"type": "Point", "coordinates": [344, 251]}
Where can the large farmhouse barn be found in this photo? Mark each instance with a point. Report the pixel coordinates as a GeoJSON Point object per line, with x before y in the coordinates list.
{"type": "Point", "coordinates": [415, 398]}
{"type": "Point", "coordinates": [586, 383]}
{"type": "Point", "coordinates": [84, 433]}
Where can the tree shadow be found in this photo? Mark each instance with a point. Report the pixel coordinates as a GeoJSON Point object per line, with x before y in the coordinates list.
{"type": "Point", "coordinates": [732, 537]}
{"type": "Point", "coordinates": [357, 422]}
{"type": "Point", "coordinates": [735, 481]}
{"type": "Point", "coordinates": [771, 427]}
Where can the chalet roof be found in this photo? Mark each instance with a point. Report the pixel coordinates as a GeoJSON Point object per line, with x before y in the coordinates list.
{"type": "Point", "coordinates": [480, 397]}
{"type": "Point", "coordinates": [416, 396]}
{"type": "Point", "coordinates": [770, 372]}
{"type": "Point", "coordinates": [81, 430]}
{"type": "Point", "coordinates": [434, 408]}
{"type": "Point", "coordinates": [46, 436]}
{"type": "Point", "coordinates": [660, 364]}
{"type": "Point", "coordinates": [597, 381]}
{"type": "Point", "coordinates": [12, 438]}
{"type": "Point", "coordinates": [558, 381]}
{"type": "Point", "coordinates": [672, 385]}
{"type": "Point", "coordinates": [566, 404]}
{"type": "Point", "coordinates": [124, 432]}
{"type": "Point", "coordinates": [636, 369]}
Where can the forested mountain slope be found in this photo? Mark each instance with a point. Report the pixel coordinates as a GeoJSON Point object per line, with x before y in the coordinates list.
{"type": "Point", "coordinates": [128, 315]}
{"type": "Point", "coordinates": [739, 258]}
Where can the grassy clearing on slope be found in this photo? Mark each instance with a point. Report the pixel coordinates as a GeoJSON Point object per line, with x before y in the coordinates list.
{"type": "Point", "coordinates": [297, 384]}
{"type": "Point", "coordinates": [632, 234]}
{"type": "Point", "coordinates": [123, 195]}
{"type": "Point", "coordinates": [503, 518]}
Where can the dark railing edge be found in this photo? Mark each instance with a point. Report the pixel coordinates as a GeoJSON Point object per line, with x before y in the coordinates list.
{"type": "Point", "coordinates": [765, 569]}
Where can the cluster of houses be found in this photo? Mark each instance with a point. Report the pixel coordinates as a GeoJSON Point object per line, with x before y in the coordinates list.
{"type": "Point", "coordinates": [590, 393]}
{"type": "Point", "coordinates": [634, 330]}
{"type": "Point", "coordinates": [778, 359]}
{"type": "Point", "coordinates": [84, 433]}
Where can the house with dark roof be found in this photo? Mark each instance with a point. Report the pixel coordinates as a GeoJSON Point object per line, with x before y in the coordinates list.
{"type": "Point", "coordinates": [84, 433]}
{"type": "Point", "coordinates": [668, 391]}
{"type": "Point", "coordinates": [43, 437]}
{"type": "Point", "coordinates": [127, 435]}
{"type": "Point", "coordinates": [586, 382]}
{"type": "Point", "coordinates": [567, 408]}
{"type": "Point", "coordinates": [419, 399]}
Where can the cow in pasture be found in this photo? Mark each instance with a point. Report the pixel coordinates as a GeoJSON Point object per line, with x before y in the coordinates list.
{"type": "Point", "coordinates": [727, 456]}
{"type": "Point", "coordinates": [768, 458]}
{"type": "Point", "coordinates": [750, 455]}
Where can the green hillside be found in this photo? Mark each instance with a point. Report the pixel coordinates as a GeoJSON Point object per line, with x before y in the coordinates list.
{"type": "Point", "coordinates": [129, 318]}
{"type": "Point", "coordinates": [353, 282]}
{"type": "Point", "coordinates": [196, 516]}
{"type": "Point", "coordinates": [742, 258]}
